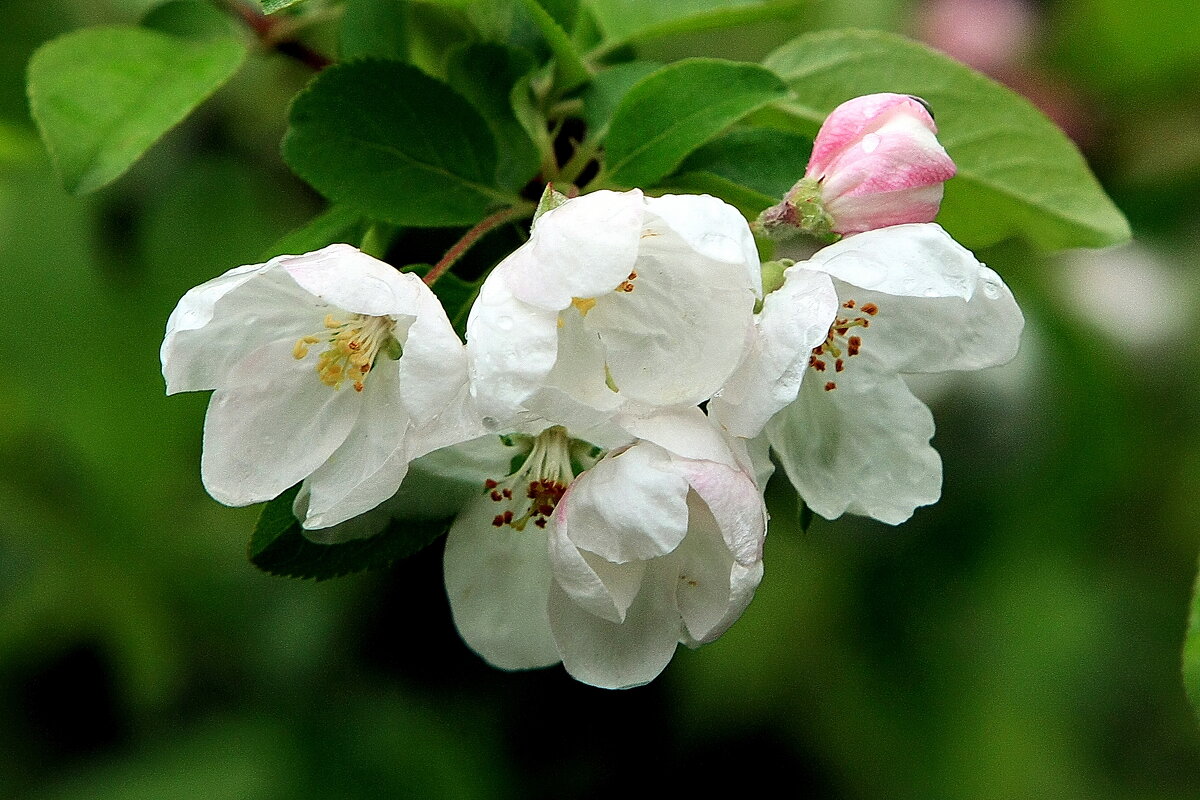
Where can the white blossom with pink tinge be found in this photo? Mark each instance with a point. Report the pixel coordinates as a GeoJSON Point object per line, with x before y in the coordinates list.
{"type": "Point", "coordinates": [879, 163]}
{"type": "Point", "coordinates": [876, 162]}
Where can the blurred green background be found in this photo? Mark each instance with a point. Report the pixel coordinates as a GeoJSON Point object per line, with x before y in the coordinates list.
{"type": "Point", "coordinates": [1018, 640]}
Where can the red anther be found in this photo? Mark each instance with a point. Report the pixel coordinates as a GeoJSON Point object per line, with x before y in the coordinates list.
{"type": "Point", "coordinates": [354, 344]}
{"type": "Point", "coordinates": [490, 484]}
{"type": "Point", "coordinates": [829, 387]}
{"type": "Point", "coordinates": [508, 516]}
{"type": "Point", "coordinates": [870, 308]}
{"type": "Point", "coordinates": [848, 304]}
{"type": "Point", "coordinates": [358, 387]}
{"type": "Point", "coordinates": [819, 350]}
{"type": "Point", "coordinates": [497, 496]}
{"type": "Point", "coordinates": [540, 522]}
{"type": "Point", "coordinates": [498, 520]}
{"type": "Point", "coordinates": [854, 344]}
{"type": "Point", "coordinates": [841, 331]}
{"type": "Point", "coordinates": [818, 365]}
{"type": "Point", "coordinates": [866, 323]}
{"type": "Point", "coordinates": [839, 365]}
{"type": "Point", "coordinates": [508, 493]}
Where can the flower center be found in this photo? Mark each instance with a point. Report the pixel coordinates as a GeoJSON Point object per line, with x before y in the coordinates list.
{"type": "Point", "coordinates": [839, 345]}
{"type": "Point", "coordinates": [352, 347]}
{"type": "Point", "coordinates": [532, 491]}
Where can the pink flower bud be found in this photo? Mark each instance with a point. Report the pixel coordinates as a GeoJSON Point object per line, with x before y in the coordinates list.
{"type": "Point", "coordinates": [878, 162]}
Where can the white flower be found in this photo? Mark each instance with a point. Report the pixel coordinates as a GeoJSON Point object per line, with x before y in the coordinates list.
{"type": "Point", "coordinates": [653, 547]}
{"type": "Point", "coordinates": [617, 301]}
{"type": "Point", "coordinates": [911, 300]}
{"type": "Point", "coordinates": [331, 367]}
{"type": "Point", "coordinates": [657, 543]}
{"type": "Point", "coordinates": [794, 319]}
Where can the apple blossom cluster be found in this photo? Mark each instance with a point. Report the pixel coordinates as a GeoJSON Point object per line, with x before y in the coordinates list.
{"type": "Point", "coordinates": [603, 436]}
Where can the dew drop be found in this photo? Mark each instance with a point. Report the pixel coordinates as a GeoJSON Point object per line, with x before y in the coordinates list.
{"type": "Point", "coordinates": [491, 423]}
{"type": "Point", "coordinates": [991, 290]}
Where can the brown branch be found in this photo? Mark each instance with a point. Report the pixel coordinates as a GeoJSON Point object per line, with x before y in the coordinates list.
{"type": "Point", "coordinates": [475, 234]}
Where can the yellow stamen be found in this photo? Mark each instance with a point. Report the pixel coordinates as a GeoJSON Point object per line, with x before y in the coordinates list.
{"type": "Point", "coordinates": [353, 345]}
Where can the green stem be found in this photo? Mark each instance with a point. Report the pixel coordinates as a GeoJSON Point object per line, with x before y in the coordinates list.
{"type": "Point", "coordinates": [578, 161]}
{"type": "Point", "coordinates": [475, 234]}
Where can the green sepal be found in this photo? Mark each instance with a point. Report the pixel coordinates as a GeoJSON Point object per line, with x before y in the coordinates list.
{"type": "Point", "coordinates": [551, 198]}
{"type": "Point", "coordinates": [805, 515]}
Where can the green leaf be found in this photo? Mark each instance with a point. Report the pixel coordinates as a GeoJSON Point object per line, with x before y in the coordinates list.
{"type": "Point", "coordinates": [1017, 172]}
{"type": "Point", "coordinates": [335, 224]}
{"type": "Point", "coordinates": [606, 91]}
{"type": "Point", "coordinates": [192, 19]}
{"type": "Point", "coordinates": [374, 29]}
{"type": "Point", "coordinates": [752, 168]}
{"type": "Point", "coordinates": [564, 12]}
{"type": "Point", "coordinates": [671, 112]}
{"type": "Point", "coordinates": [626, 20]}
{"type": "Point", "coordinates": [384, 138]}
{"type": "Point", "coordinates": [1191, 651]}
{"type": "Point", "coordinates": [530, 117]}
{"type": "Point", "coordinates": [485, 75]}
{"type": "Point", "coordinates": [572, 71]}
{"type": "Point", "coordinates": [279, 547]}
{"type": "Point", "coordinates": [271, 6]}
{"type": "Point", "coordinates": [102, 96]}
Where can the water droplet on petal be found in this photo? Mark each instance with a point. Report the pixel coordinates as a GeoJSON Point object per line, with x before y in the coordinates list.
{"type": "Point", "coordinates": [491, 423]}
{"type": "Point", "coordinates": [991, 290]}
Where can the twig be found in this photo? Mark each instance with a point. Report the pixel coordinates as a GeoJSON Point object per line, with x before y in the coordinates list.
{"type": "Point", "coordinates": [470, 237]}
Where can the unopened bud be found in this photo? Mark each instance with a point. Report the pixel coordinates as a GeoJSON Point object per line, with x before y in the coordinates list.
{"type": "Point", "coordinates": [875, 162]}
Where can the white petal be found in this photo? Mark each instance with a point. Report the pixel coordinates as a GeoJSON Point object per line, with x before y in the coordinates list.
{"type": "Point", "coordinates": [353, 281]}
{"type": "Point", "coordinates": [755, 458]}
{"type": "Point", "coordinates": [370, 464]}
{"type": "Point", "coordinates": [681, 331]}
{"type": "Point", "coordinates": [576, 393]}
{"type": "Point", "coordinates": [364, 526]}
{"type": "Point", "coordinates": [440, 483]}
{"type": "Point", "coordinates": [433, 368]}
{"type": "Point", "coordinates": [743, 581]}
{"type": "Point", "coordinates": [617, 655]}
{"type": "Point", "coordinates": [629, 506]}
{"type": "Point", "coordinates": [583, 248]}
{"type": "Point", "coordinates": [794, 319]}
{"type": "Point", "coordinates": [924, 334]}
{"type": "Point", "coordinates": [914, 260]}
{"type": "Point", "coordinates": [498, 580]}
{"type": "Point", "coordinates": [735, 504]}
{"type": "Point", "coordinates": [700, 566]}
{"type": "Point", "coordinates": [271, 425]}
{"type": "Point", "coordinates": [713, 228]}
{"type": "Point", "coordinates": [685, 432]}
{"type": "Point", "coordinates": [511, 347]}
{"type": "Point", "coordinates": [218, 322]}
{"type": "Point", "coordinates": [862, 448]}
{"type": "Point", "coordinates": [598, 586]}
